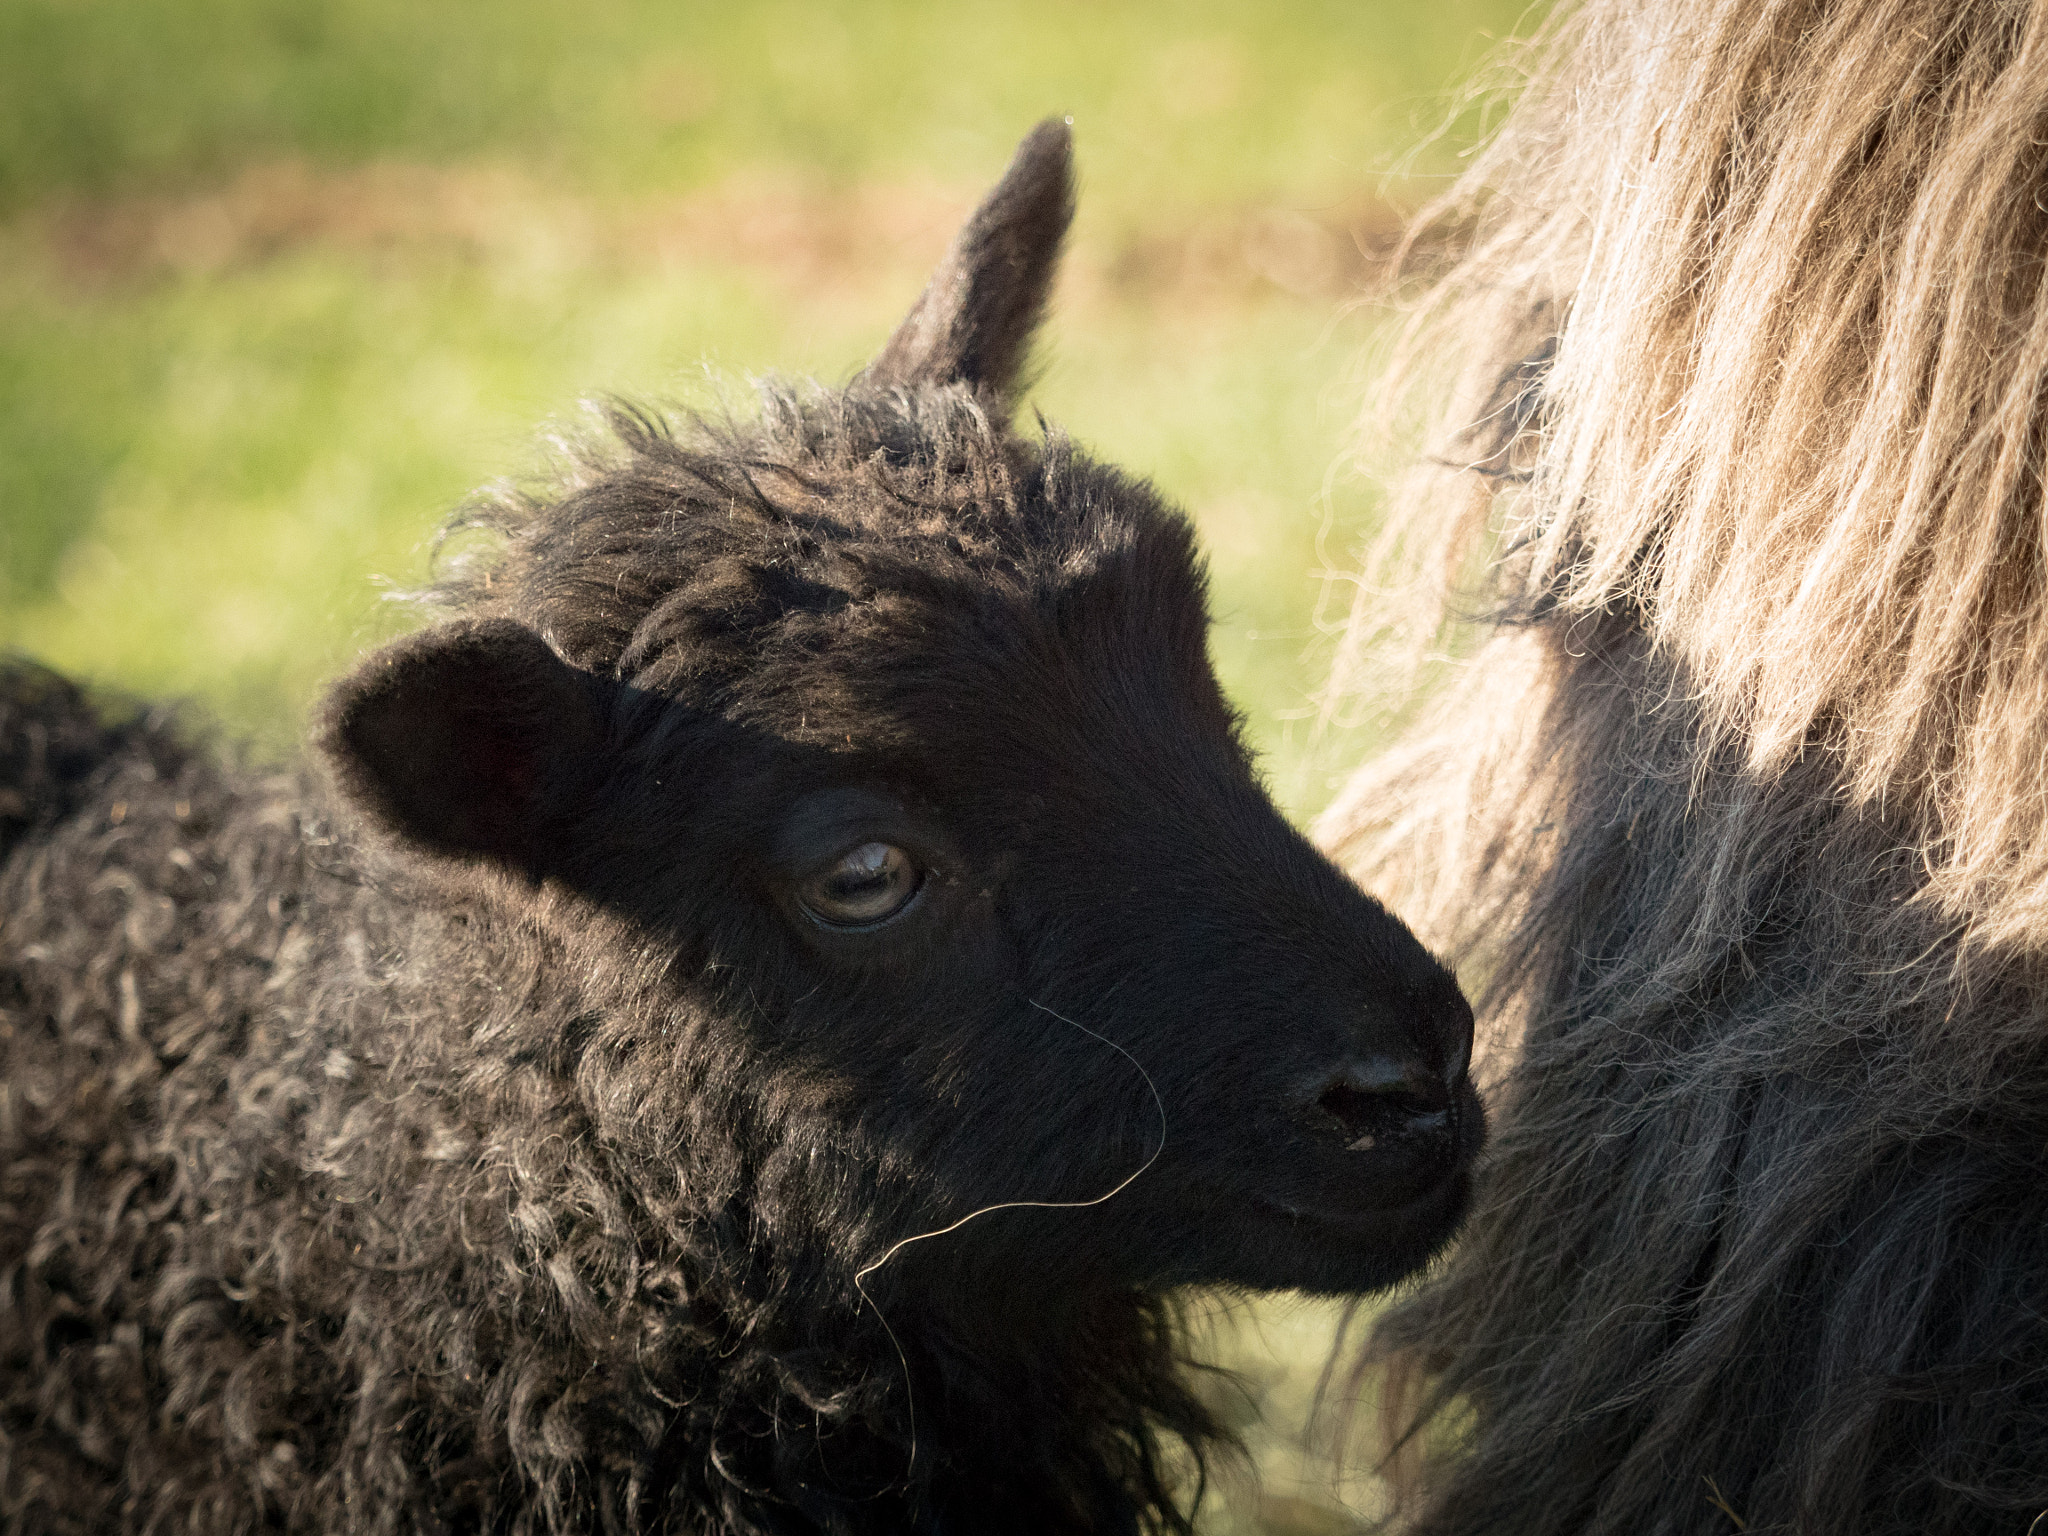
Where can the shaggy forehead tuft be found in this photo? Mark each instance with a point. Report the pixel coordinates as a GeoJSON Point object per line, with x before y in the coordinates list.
{"type": "Point", "coordinates": [676, 552]}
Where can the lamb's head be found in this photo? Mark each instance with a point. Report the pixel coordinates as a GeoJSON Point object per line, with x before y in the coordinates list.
{"type": "Point", "coordinates": [881, 747]}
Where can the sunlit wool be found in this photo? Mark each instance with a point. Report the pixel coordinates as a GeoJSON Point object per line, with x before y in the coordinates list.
{"type": "Point", "coordinates": [1740, 809]}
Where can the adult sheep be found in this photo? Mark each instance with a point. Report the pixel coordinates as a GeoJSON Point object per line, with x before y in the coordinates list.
{"type": "Point", "coordinates": [1741, 810]}
{"type": "Point", "coordinates": [782, 983]}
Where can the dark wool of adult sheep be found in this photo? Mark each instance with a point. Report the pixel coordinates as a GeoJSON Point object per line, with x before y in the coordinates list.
{"type": "Point", "coordinates": [737, 1031]}
{"type": "Point", "coordinates": [1743, 808]}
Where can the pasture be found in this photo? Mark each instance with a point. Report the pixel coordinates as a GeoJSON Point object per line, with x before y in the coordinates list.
{"type": "Point", "coordinates": [284, 282]}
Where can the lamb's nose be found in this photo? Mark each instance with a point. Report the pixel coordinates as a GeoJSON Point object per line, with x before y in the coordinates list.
{"type": "Point", "coordinates": [1381, 1096]}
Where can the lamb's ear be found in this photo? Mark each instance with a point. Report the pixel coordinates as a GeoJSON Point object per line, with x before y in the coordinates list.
{"type": "Point", "coordinates": [470, 740]}
{"type": "Point", "coordinates": [973, 323]}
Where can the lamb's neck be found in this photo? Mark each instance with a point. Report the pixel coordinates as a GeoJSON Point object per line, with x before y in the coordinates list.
{"type": "Point", "coordinates": [1074, 1420]}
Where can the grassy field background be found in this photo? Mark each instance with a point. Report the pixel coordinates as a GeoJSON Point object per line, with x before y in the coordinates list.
{"type": "Point", "coordinates": [281, 280]}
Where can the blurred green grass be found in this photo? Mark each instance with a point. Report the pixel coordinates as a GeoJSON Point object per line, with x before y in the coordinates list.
{"type": "Point", "coordinates": [281, 281]}
{"type": "Point", "coordinates": [1192, 101]}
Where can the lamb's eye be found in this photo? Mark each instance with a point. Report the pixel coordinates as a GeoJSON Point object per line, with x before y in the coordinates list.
{"type": "Point", "coordinates": [867, 886]}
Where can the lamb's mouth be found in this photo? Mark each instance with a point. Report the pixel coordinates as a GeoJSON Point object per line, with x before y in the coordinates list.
{"type": "Point", "coordinates": [1437, 1208]}
{"type": "Point", "coordinates": [1282, 1241]}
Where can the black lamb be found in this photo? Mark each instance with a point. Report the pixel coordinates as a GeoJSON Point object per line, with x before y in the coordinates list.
{"type": "Point", "coordinates": [738, 1028]}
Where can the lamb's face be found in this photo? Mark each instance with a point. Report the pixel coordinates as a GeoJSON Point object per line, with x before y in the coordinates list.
{"type": "Point", "coordinates": [956, 871]}
{"type": "Point", "coordinates": [984, 886]}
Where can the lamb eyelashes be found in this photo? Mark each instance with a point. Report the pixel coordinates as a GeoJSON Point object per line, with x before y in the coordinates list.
{"type": "Point", "coordinates": [860, 1276]}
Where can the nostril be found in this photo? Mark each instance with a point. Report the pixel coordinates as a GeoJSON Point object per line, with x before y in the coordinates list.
{"type": "Point", "coordinates": [1384, 1100]}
